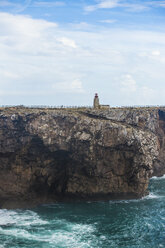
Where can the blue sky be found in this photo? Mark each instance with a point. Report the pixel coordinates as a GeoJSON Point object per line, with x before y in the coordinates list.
{"type": "Point", "coordinates": [62, 52]}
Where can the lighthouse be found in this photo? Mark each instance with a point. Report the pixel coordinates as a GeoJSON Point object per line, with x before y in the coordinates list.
{"type": "Point", "coordinates": [96, 103]}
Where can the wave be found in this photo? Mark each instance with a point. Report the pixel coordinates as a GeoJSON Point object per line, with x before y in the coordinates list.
{"type": "Point", "coordinates": [19, 218]}
{"type": "Point", "coordinates": [147, 197]}
{"type": "Point", "coordinates": [158, 178]}
{"type": "Point", "coordinates": [73, 235]}
{"type": "Point", "coordinates": [151, 196]}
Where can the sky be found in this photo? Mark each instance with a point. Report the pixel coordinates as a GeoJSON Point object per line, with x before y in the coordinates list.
{"type": "Point", "coordinates": [63, 52]}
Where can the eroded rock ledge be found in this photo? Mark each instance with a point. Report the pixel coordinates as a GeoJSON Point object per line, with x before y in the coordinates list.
{"type": "Point", "coordinates": [49, 155]}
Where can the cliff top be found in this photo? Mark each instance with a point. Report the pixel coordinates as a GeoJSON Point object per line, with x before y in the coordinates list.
{"type": "Point", "coordinates": [21, 108]}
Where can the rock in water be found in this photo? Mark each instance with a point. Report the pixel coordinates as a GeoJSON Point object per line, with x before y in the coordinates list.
{"type": "Point", "coordinates": [49, 155]}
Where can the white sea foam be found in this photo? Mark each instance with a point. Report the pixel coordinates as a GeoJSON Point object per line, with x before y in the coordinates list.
{"type": "Point", "coordinates": [122, 201]}
{"type": "Point", "coordinates": [158, 178]}
{"type": "Point", "coordinates": [73, 238]}
{"type": "Point", "coordinates": [26, 218]}
{"type": "Point", "coordinates": [147, 197]}
{"type": "Point", "coordinates": [64, 233]}
{"type": "Point", "coordinates": [150, 196]}
{"type": "Point", "coordinates": [77, 236]}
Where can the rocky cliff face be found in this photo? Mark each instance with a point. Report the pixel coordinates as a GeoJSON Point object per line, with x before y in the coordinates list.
{"type": "Point", "coordinates": [147, 119]}
{"type": "Point", "coordinates": [54, 155]}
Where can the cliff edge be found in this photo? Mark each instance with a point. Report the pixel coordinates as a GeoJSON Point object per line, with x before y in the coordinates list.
{"type": "Point", "coordinates": [49, 155]}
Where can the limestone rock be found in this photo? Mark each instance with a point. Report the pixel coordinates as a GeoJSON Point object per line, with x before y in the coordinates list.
{"type": "Point", "coordinates": [52, 155]}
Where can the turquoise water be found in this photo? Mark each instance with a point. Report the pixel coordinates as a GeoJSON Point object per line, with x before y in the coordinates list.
{"type": "Point", "coordinates": [126, 224]}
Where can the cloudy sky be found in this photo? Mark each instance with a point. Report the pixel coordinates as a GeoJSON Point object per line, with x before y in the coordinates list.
{"type": "Point", "coordinates": [62, 52]}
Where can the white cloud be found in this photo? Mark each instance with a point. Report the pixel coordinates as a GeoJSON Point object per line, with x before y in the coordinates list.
{"type": "Point", "coordinates": [20, 7]}
{"type": "Point", "coordinates": [108, 21]}
{"type": "Point", "coordinates": [67, 42]}
{"type": "Point", "coordinates": [6, 4]}
{"type": "Point", "coordinates": [153, 55]}
{"type": "Point", "coordinates": [16, 7]}
{"type": "Point", "coordinates": [157, 3]}
{"type": "Point", "coordinates": [15, 25]}
{"type": "Point", "coordinates": [36, 54]}
{"type": "Point", "coordinates": [104, 4]}
{"type": "Point", "coordinates": [71, 87]}
{"type": "Point", "coordinates": [77, 85]}
{"type": "Point", "coordinates": [8, 75]}
{"type": "Point", "coordinates": [128, 84]}
{"type": "Point", "coordinates": [136, 93]}
{"type": "Point", "coordinates": [147, 92]}
{"type": "Point", "coordinates": [48, 4]}
{"type": "Point", "coordinates": [133, 93]}
{"type": "Point", "coordinates": [110, 4]}
{"type": "Point", "coordinates": [156, 53]}
{"type": "Point", "coordinates": [81, 26]}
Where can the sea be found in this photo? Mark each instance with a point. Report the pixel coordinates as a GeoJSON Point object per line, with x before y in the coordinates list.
{"type": "Point", "coordinates": [113, 224]}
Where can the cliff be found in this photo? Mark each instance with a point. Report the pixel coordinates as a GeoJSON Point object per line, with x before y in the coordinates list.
{"type": "Point", "coordinates": [49, 155]}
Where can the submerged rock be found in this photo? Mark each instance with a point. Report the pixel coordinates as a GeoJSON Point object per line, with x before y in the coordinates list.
{"type": "Point", "coordinates": [57, 155]}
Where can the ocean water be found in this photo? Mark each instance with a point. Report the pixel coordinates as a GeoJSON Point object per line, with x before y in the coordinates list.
{"type": "Point", "coordinates": [126, 224]}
